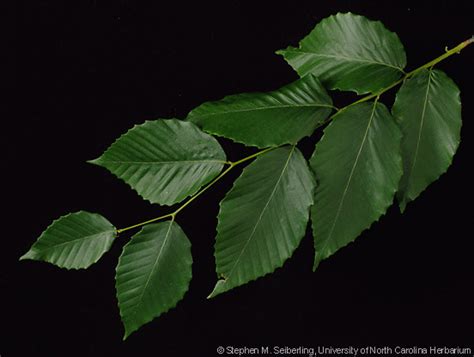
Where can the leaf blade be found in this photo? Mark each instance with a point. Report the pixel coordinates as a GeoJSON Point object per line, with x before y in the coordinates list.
{"type": "Point", "coordinates": [263, 217]}
{"type": "Point", "coordinates": [283, 116]}
{"type": "Point", "coordinates": [428, 110]}
{"type": "Point", "coordinates": [349, 52]}
{"type": "Point", "coordinates": [153, 273]}
{"type": "Point", "coordinates": [74, 241]}
{"type": "Point", "coordinates": [164, 161]}
{"type": "Point", "coordinates": [364, 141]}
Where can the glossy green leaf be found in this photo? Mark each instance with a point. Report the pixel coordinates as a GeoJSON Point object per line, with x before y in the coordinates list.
{"type": "Point", "coordinates": [269, 119]}
{"type": "Point", "coordinates": [349, 52]}
{"type": "Point", "coordinates": [428, 109]}
{"type": "Point", "coordinates": [153, 273]}
{"type": "Point", "coordinates": [164, 160]}
{"type": "Point", "coordinates": [74, 241]}
{"type": "Point", "coordinates": [358, 168]}
{"type": "Point", "coordinates": [263, 217]}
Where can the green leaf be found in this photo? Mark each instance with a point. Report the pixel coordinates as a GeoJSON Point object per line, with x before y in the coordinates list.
{"type": "Point", "coordinates": [269, 119]}
{"type": "Point", "coordinates": [358, 168]}
{"type": "Point", "coordinates": [74, 241]}
{"type": "Point", "coordinates": [153, 273]}
{"type": "Point", "coordinates": [428, 109]}
{"type": "Point", "coordinates": [164, 160]}
{"type": "Point", "coordinates": [263, 217]}
{"type": "Point", "coordinates": [349, 52]}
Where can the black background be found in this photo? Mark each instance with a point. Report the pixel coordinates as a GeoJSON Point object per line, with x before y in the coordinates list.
{"type": "Point", "coordinates": [89, 70]}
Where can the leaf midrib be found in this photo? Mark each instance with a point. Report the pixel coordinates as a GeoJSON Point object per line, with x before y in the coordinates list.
{"type": "Point", "coordinates": [346, 188]}
{"type": "Point", "coordinates": [346, 58]}
{"type": "Point", "coordinates": [150, 163]}
{"type": "Point", "coordinates": [140, 300]}
{"type": "Point", "coordinates": [420, 130]}
{"type": "Point", "coordinates": [261, 214]}
{"type": "Point", "coordinates": [88, 237]}
{"type": "Point", "coordinates": [261, 108]}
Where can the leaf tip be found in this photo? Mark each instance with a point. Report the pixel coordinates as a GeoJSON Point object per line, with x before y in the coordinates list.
{"type": "Point", "coordinates": [283, 51]}
{"type": "Point", "coordinates": [213, 294]}
{"type": "Point", "coordinates": [318, 258]}
{"type": "Point", "coordinates": [29, 255]}
{"type": "Point", "coordinates": [128, 331]}
{"type": "Point", "coordinates": [402, 204]}
{"type": "Point", "coordinates": [218, 289]}
{"type": "Point", "coordinates": [94, 161]}
{"type": "Point", "coordinates": [316, 263]}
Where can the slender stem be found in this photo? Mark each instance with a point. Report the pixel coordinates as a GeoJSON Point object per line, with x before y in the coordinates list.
{"type": "Point", "coordinates": [143, 223]}
{"type": "Point", "coordinates": [455, 50]}
{"type": "Point", "coordinates": [200, 192]}
{"type": "Point", "coordinates": [223, 173]}
{"type": "Point", "coordinates": [252, 156]}
{"type": "Point", "coordinates": [232, 164]}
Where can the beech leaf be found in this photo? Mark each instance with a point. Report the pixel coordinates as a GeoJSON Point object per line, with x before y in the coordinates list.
{"type": "Point", "coordinates": [428, 110]}
{"type": "Point", "coordinates": [164, 160]}
{"type": "Point", "coordinates": [153, 273]}
{"type": "Point", "coordinates": [358, 168]}
{"type": "Point", "coordinates": [263, 217]}
{"type": "Point", "coordinates": [269, 119]}
{"type": "Point", "coordinates": [74, 241]}
{"type": "Point", "coordinates": [349, 52]}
